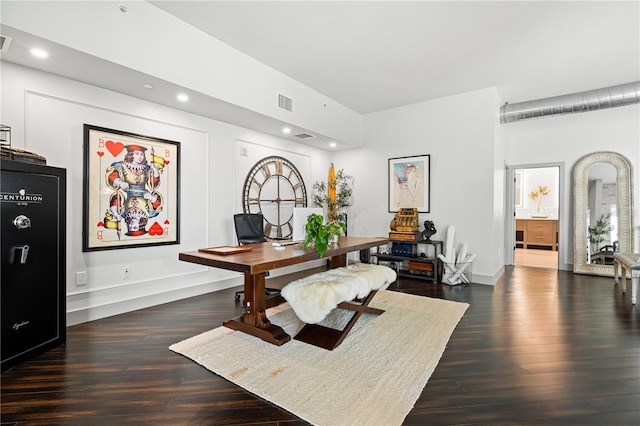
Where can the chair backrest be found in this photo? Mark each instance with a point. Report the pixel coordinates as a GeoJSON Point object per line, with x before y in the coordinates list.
{"type": "Point", "coordinates": [249, 228]}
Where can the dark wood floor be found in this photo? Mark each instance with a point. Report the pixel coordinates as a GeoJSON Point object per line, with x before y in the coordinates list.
{"type": "Point", "coordinates": [541, 347]}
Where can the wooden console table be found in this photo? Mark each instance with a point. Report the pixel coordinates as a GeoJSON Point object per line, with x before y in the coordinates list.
{"type": "Point", "coordinates": [264, 257]}
{"type": "Point", "coordinates": [537, 233]}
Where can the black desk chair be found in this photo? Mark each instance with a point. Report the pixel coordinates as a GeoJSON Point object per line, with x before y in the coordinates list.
{"type": "Point", "coordinates": [250, 230]}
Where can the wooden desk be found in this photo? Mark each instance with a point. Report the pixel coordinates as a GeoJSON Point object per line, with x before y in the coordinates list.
{"type": "Point", "coordinates": [264, 257]}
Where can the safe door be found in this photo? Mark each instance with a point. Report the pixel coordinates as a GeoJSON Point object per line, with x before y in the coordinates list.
{"type": "Point", "coordinates": [33, 287]}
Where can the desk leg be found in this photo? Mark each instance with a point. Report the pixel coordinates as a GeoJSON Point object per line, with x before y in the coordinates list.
{"type": "Point", "coordinates": [255, 321]}
{"type": "Point", "coordinates": [338, 261]}
{"type": "Point", "coordinates": [365, 256]}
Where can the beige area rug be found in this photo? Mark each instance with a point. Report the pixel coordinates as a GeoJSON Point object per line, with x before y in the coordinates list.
{"type": "Point", "coordinates": [373, 378]}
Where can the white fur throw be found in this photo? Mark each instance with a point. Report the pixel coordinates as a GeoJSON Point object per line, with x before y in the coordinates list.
{"type": "Point", "coordinates": [313, 297]}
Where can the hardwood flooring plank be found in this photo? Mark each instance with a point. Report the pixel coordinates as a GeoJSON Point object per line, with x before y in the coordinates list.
{"type": "Point", "coordinates": [540, 347]}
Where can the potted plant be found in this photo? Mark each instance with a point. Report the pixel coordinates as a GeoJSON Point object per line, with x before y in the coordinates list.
{"type": "Point", "coordinates": [320, 234]}
{"type": "Point", "coordinates": [598, 231]}
{"type": "Point", "coordinates": [335, 195]}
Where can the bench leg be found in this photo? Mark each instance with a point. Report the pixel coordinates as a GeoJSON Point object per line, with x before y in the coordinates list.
{"type": "Point", "coordinates": [616, 266]}
{"type": "Point", "coordinates": [635, 281]}
{"type": "Point", "coordinates": [330, 338]}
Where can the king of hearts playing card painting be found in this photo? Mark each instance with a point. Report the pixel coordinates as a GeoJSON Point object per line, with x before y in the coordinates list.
{"type": "Point", "coordinates": [131, 193]}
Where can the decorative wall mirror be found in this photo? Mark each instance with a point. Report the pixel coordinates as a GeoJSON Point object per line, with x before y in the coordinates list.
{"type": "Point", "coordinates": [603, 211]}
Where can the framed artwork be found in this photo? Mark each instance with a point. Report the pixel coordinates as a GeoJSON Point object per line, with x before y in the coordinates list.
{"type": "Point", "coordinates": [409, 180]}
{"type": "Point", "coordinates": [518, 189]}
{"type": "Point", "coordinates": [131, 193]}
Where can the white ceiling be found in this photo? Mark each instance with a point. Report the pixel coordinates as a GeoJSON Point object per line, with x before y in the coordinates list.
{"type": "Point", "coordinates": [371, 56]}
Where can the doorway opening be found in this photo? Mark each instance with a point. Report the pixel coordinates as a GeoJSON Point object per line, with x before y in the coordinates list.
{"type": "Point", "coordinates": [535, 208]}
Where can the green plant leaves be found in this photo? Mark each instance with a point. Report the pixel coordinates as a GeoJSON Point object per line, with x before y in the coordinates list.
{"type": "Point", "coordinates": [318, 233]}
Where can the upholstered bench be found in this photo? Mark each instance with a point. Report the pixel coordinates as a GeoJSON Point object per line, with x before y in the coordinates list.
{"type": "Point", "coordinates": [312, 298]}
{"type": "Point", "coordinates": [627, 263]}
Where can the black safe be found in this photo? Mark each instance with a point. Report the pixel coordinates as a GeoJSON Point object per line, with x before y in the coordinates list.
{"type": "Point", "coordinates": [33, 240]}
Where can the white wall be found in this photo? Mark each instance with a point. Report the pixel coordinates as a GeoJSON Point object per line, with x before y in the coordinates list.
{"type": "Point", "coordinates": [468, 156]}
{"type": "Point", "coordinates": [566, 139]}
{"type": "Point", "coordinates": [467, 172]}
{"type": "Point", "coordinates": [47, 114]}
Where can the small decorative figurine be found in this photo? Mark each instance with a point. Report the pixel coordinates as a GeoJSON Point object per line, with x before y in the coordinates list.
{"type": "Point", "coordinates": [429, 230]}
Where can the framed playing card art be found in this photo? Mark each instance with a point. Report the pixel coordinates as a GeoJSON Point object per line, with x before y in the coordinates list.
{"type": "Point", "coordinates": [131, 193]}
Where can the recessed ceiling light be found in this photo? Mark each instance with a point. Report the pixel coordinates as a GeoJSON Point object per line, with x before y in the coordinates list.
{"type": "Point", "coordinates": [147, 86]}
{"type": "Point", "coordinates": [182, 97]}
{"type": "Point", "coordinates": [286, 130]}
{"type": "Point", "coordinates": [39, 53]}
{"type": "Point", "coordinates": [333, 144]}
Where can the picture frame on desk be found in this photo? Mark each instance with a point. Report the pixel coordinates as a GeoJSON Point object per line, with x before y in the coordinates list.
{"type": "Point", "coordinates": [409, 183]}
{"type": "Point", "coordinates": [131, 190]}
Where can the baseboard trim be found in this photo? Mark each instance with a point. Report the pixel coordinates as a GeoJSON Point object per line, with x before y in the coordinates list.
{"type": "Point", "coordinates": [487, 279]}
{"type": "Point", "coordinates": [82, 306]}
{"type": "Point", "coordinates": [104, 310]}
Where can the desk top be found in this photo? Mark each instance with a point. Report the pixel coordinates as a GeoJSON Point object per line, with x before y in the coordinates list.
{"type": "Point", "coordinates": [264, 256]}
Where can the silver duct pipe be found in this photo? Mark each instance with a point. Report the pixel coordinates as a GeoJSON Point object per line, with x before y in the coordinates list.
{"type": "Point", "coordinates": [592, 100]}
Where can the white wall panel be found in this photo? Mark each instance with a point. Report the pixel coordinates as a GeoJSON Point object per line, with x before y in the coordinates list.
{"type": "Point", "coordinates": [47, 114]}
{"type": "Point", "coordinates": [460, 135]}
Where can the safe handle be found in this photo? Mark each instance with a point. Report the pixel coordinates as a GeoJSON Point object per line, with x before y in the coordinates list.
{"type": "Point", "coordinates": [20, 254]}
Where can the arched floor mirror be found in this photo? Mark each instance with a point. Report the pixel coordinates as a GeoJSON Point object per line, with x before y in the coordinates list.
{"type": "Point", "coordinates": [603, 211]}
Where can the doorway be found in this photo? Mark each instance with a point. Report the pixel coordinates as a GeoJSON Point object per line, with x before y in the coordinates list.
{"type": "Point", "coordinates": [534, 202]}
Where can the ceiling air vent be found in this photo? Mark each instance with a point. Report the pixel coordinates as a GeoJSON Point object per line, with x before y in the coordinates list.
{"type": "Point", "coordinates": [304, 136]}
{"type": "Point", "coordinates": [285, 103]}
{"type": "Point", "coordinates": [5, 42]}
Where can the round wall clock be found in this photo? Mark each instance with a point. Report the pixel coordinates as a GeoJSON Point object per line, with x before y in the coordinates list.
{"type": "Point", "coordinates": [273, 187]}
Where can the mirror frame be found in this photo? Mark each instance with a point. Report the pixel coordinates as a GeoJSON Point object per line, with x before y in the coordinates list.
{"type": "Point", "coordinates": [624, 195]}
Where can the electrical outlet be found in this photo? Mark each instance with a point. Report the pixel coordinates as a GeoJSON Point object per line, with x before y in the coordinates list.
{"type": "Point", "coordinates": [126, 273]}
{"type": "Point", "coordinates": [81, 278]}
